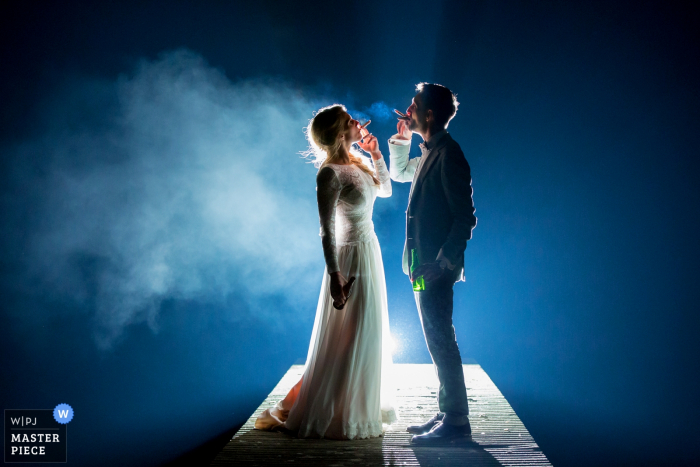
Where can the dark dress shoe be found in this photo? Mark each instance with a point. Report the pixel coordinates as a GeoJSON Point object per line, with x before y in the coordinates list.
{"type": "Point", "coordinates": [427, 426]}
{"type": "Point", "coordinates": [442, 434]}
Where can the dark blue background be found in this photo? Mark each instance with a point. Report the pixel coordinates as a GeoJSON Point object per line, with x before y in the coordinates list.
{"type": "Point", "coordinates": [581, 124]}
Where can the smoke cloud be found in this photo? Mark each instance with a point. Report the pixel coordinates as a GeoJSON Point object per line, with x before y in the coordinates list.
{"type": "Point", "coordinates": [377, 112]}
{"type": "Point", "coordinates": [170, 183]}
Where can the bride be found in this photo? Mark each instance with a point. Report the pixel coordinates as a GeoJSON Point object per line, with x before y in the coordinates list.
{"type": "Point", "coordinates": [345, 391]}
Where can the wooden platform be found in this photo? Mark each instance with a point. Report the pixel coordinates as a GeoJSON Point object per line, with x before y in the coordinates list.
{"type": "Point", "coordinates": [499, 437]}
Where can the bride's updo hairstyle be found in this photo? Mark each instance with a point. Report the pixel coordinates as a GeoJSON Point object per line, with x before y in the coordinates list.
{"type": "Point", "coordinates": [325, 144]}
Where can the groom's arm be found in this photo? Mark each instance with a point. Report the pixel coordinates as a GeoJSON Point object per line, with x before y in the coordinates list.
{"type": "Point", "coordinates": [457, 185]}
{"type": "Point", "coordinates": [401, 169]}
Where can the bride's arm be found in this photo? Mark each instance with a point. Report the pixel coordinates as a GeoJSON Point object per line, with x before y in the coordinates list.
{"type": "Point", "coordinates": [369, 144]}
{"type": "Point", "coordinates": [327, 193]}
{"type": "Point", "coordinates": [382, 174]}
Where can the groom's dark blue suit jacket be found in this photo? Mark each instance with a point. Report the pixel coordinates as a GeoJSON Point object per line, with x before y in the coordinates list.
{"type": "Point", "coordinates": [440, 213]}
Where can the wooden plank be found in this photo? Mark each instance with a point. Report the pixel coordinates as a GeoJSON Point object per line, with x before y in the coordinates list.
{"type": "Point", "coordinates": [499, 436]}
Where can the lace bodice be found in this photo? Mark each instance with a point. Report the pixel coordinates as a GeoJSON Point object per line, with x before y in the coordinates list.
{"type": "Point", "coordinates": [346, 197]}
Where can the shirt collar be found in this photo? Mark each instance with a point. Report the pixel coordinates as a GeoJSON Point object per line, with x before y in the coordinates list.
{"type": "Point", "coordinates": [433, 140]}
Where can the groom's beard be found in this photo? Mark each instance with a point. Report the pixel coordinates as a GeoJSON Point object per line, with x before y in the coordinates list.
{"type": "Point", "coordinates": [413, 126]}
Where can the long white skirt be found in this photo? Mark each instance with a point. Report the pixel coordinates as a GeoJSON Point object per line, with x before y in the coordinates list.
{"type": "Point", "coordinates": [347, 390]}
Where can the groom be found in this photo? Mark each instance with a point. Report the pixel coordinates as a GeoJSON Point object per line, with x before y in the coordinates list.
{"type": "Point", "coordinates": [439, 221]}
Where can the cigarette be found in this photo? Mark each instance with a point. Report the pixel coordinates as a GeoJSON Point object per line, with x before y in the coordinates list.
{"type": "Point", "coordinates": [363, 129]}
{"type": "Point", "coordinates": [401, 114]}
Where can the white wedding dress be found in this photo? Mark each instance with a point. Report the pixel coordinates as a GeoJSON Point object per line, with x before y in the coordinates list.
{"type": "Point", "coordinates": [346, 391]}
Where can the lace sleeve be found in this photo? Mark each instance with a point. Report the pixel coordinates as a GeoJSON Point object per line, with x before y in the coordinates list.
{"type": "Point", "coordinates": [382, 174]}
{"type": "Point", "coordinates": [327, 193]}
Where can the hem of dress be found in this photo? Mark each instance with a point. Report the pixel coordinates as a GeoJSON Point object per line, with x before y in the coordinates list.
{"type": "Point", "coordinates": [389, 416]}
{"type": "Point", "coordinates": [347, 431]}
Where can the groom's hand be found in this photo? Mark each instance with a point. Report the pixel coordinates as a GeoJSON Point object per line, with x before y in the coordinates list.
{"type": "Point", "coordinates": [402, 131]}
{"type": "Point", "coordinates": [429, 271]}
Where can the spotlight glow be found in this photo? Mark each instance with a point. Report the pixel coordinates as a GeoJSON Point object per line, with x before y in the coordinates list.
{"type": "Point", "coordinates": [394, 345]}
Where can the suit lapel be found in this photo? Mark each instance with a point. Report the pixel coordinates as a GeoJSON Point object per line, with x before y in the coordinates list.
{"type": "Point", "coordinates": [431, 157]}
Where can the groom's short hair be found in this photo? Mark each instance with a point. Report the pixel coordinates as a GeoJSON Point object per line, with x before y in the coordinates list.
{"type": "Point", "coordinates": [440, 100]}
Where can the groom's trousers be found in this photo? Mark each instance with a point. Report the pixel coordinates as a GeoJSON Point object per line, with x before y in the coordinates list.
{"type": "Point", "coordinates": [435, 309]}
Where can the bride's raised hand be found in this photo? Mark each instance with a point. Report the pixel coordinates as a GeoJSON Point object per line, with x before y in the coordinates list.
{"type": "Point", "coordinates": [340, 289]}
{"type": "Point", "coordinates": [370, 144]}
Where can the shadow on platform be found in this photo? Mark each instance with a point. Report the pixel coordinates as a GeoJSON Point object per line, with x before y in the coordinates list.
{"type": "Point", "coordinates": [471, 454]}
{"type": "Point", "coordinates": [263, 448]}
{"type": "Point", "coordinates": [499, 437]}
{"type": "Point", "coordinates": [205, 453]}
